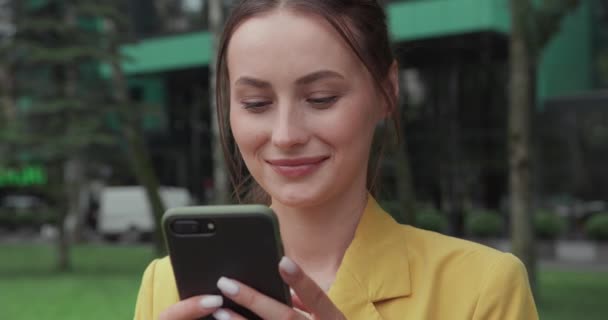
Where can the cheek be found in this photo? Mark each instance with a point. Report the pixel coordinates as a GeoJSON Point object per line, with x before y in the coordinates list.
{"type": "Point", "coordinates": [248, 134]}
{"type": "Point", "coordinates": [353, 125]}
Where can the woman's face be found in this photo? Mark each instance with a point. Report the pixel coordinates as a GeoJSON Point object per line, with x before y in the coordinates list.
{"type": "Point", "coordinates": [303, 108]}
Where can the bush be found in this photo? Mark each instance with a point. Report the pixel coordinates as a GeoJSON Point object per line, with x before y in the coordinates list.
{"type": "Point", "coordinates": [47, 216]}
{"type": "Point", "coordinates": [596, 227]}
{"type": "Point", "coordinates": [393, 208]}
{"type": "Point", "coordinates": [7, 219]}
{"type": "Point", "coordinates": [28, 219]}
{"type": "Point", "coordinates": [431, 219]}
{"type": "Point", "coordinates": [484, 224]}
{"type": "Point", "coordinates": [548, 225]}
{"type": "Point", "coordinates": [25, 219]}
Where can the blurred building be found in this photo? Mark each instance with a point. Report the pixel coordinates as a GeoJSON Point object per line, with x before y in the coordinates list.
{"type": "Point", "coordinates": [454, 52]}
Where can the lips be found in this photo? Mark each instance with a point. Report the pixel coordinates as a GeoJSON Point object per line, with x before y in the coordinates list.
{"type": "Point", "coordinates": [297, 167]}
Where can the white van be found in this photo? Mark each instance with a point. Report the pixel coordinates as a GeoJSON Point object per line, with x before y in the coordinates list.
{"type": "Point", "coordinates": [124, 212]}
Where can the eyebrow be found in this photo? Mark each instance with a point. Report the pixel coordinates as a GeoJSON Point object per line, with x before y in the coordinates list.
{"type": "Point", "coordinates": [307, 79]}
{"type": "Point", "coordinates": [318, 75]}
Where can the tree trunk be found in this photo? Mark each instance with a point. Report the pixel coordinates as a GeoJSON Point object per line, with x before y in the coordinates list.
{"type": "Point", "coordinates": [220, 177]}
{"type": "Point", "coordinates": [73, 170]}
{"type": "Point", "coordinates": [405, 185]}
{"type": "Point", "coordinates": [146, 177]}
{"type": "Point", "coordinates": [62, 243]}
{"type": "Point", "coordinates": [74, 180]}
{"type": "Point", "coordinates": [197, 128]}
{"type": "Point", "coordinates": [57, 191]}
{"type": "Point", "coordinates": [406, 194]}
{"type": "Point", "coordinates": [138, 154]}
{"type": "Point", "coordinates": [68, 74]}
{"type": "Point", "coordinates": [457, 180]}
{"type": "Point", "coordinates": [521, 101]}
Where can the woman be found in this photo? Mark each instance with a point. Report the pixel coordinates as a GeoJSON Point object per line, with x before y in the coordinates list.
{"type": "Point", "coordinates": [304, 84]}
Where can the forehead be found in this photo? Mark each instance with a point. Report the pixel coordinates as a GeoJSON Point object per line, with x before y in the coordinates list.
{"type": "Point", "coordinates": [288, 40]}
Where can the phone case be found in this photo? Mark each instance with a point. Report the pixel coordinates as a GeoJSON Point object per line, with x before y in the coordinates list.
{"type": "Point", "coordinates": [245, 245]}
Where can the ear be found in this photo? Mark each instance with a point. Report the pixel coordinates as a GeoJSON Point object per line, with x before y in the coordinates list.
{"type": "Point", "coordinates": [392, 83]}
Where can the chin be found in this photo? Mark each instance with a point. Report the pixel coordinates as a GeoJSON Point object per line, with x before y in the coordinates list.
{"type": "Point", "coordinates": [298, 196]}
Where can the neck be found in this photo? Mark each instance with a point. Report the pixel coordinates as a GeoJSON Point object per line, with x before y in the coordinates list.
{"type": "Point", "coordinates": [317, 237]}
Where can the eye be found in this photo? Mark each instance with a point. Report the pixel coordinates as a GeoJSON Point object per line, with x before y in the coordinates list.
{"type": "Point", "coordinates": [255, 106]}
{"type": "Point", "coordinates": [322, 102]}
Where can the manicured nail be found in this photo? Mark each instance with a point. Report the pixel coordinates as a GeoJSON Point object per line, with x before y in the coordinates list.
{"type": "Point", "coordinates": [209, 302]}
{"type": "Point", "coordinates": [288, 266]}
{"type": "Point", "coordinates": [221, 314]}
{"type": "Point", "coordinates": [228, 286]}
{"type": "Point", "coordinates": [293, 293]}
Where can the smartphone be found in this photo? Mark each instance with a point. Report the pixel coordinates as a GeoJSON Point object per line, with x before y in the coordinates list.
{"type": "Point", "coordinates": [241, 242]}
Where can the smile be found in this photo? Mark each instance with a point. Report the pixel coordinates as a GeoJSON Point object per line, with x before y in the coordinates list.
{"type": "Point", "coordinates": [297, 167]}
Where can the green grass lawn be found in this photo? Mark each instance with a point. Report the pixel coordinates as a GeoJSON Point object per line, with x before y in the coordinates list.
{"type": "Point", "coordinates": [573, 295]}
{"type": "Point", "coordinates": [105, 280]}
{"type": "Point", "coordinates": [103, 285]}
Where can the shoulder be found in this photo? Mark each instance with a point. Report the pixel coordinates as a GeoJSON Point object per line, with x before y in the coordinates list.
{"type": "Point", "coordinates": [162, 274]}
{"type": "Point", "coordinates": [157, 291]}
{"type": "Point", "coordinates": [467, 271]}
{"type": "Point", "coordinates": [163, 266]}
{"type": "Point", "coordinates": [158, 270]}
{"type": "Point", "coordinates": [429, 245]}
{"type": "Point", "coordinates": [457, 262]}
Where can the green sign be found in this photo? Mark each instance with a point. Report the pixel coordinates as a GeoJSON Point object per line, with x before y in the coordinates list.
{"type": "Point", "coordinates": [25, 177]}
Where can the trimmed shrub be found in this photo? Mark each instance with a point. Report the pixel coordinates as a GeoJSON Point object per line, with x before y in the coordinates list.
{"type": "Point", "coordinates": [596, 227]}
{"type": "Point", "coordinates": [393, 208]}
{"type": "Point", "coordinates": [431, 219]}
{"type": "Point", "coordinates": [26, 219]}
{"type": "Point", "coordinates": [548, 225]}
{"type": "Point", "coordinates": [484, 224]}
{"type": "Point", "coordinates": [7, 219]}
{"type": "Point", "coordinates": [32, 219]}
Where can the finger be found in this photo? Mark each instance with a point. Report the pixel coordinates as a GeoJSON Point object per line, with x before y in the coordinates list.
{"type": "Point", "coordinates": [192, 308]}
{"type": "Point", "coordinates": [263, 306]}
{"type": "Point", "coordinates": [227, 314]}
{"type": "Point", "coordinates": [297, 303]}
{"type": "Point", "coordinates": [303, 313]}
{"type": "Point", "coordinates": [308, 292]}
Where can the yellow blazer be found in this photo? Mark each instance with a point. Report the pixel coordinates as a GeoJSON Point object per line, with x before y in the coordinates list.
{"type": "Point", "coordinates": [393, 271]}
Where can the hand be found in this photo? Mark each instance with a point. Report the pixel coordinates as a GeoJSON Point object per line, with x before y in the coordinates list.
{"type": "Point", "coordinates": [192, 308]}
{"type": "Point", "coordinates": [310, 299]}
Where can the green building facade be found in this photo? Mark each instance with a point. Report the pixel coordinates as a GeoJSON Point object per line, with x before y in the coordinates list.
{"type": "Point", "coordinates": [441, 39]}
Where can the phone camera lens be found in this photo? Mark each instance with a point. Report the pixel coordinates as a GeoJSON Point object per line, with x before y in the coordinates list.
{"type": "Point", "coordinates": [186, 227]}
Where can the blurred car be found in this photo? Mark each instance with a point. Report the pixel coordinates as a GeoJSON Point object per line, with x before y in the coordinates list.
{"type": "Point", "coordinates": [125, 213]}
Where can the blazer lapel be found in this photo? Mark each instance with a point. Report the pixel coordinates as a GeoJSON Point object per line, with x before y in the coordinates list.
{"type": "Point", "coordinates": [375, 266]}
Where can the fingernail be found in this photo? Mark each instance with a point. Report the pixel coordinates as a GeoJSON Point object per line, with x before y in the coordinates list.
{"type": "Point", "coordinates": [293, 293]}
{"type": "Point", "coordinates": [221, 314]}
{"type": "Point", "coordinates": [208, 302]}
{"type": "Point", "coordinates": [288, 266]}
{"type": "Point", "coordinates": [228, 286]}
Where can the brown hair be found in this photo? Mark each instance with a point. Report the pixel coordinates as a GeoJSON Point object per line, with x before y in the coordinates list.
{"type": "Point", "coordinates": [362, 25]}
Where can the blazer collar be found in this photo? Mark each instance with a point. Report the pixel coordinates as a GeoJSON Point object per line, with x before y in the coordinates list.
{"type": "Point", "coordinates": [375, 266]}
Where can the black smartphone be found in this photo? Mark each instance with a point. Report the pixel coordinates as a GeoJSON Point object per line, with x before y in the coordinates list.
{"type": "Point", "coordinates": [241, 242]}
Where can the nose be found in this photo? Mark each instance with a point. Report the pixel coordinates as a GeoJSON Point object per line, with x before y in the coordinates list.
{"type": "Point", "coordinates": [289, 129]}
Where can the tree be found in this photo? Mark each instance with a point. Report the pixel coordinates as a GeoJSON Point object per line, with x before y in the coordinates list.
{"type": "Point", "coordinates": [65, 115]}
{"type": "Point", "coordinates": [116, 32]}
{"type": "Point", "coordinates": [62, 46]}
{"type": "Point", "coordinates": [137, 151]}
{"type": "Point", "coordinates": [7, 29]}
{"type": "Point", "coordinates": [220, 177]}
{"type": "Point", "coordinates": [398, 150]}
{"type": "Point", "coordinates": [532, 29]}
